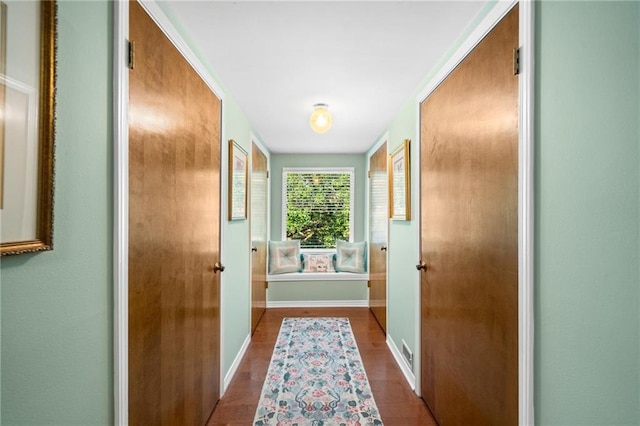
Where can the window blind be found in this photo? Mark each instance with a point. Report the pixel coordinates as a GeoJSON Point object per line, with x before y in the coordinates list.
{"type": "Point", "coordinates": [318, 207]}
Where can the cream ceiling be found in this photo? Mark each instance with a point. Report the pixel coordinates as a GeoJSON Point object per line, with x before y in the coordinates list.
{"type": "Point", "coordinates": [364, 59]}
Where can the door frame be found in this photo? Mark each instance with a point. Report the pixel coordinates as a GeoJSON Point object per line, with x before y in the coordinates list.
{"type": "Point", "coordinates": [121, 189]}
{"type": "Point", "coordinates": [376, 146]}
{"type": "Point", "coordinates": [525, 188]}
{"type": "Point", "coordinates": [261, 146]}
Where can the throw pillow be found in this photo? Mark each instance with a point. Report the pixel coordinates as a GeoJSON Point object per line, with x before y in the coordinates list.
{"type": "Point", "coordinates": [317, 262]}
{"type": "Point", "coordinates": [351, 257]}
{"type": "Point", "coordinates": [284, 256]}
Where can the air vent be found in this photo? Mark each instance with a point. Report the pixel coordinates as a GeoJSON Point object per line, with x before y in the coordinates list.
{"type": "Point", "coordinates": [408, 355]}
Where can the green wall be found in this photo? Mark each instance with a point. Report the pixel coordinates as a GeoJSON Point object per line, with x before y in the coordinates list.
{"type": "Point", "coordinates": [236, 248]}
{"type": "Point", "coordinates": [57, 363]}
{"type": "Point", "coordinates": [587, 213]}
{"type": "Point", "coordinates": [403, 238]}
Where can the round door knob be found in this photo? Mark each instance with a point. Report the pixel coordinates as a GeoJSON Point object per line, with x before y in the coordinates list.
{"type": "Point", "coordinates": [383, 248]}
{"type": "Point", "coordinates": [254, 249]}
{"type": "Point", "coordinates": [218, 267]}
{"type": "Point", "coordinates": [421, 266]}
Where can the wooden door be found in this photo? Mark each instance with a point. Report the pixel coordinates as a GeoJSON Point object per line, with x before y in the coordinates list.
{"type": "Point", "coordinates": [259, 206]}
{"type": "Point", "coordinates": [469, 237]}
{"type": "Point", "coordinates": [174, 237]}
{"type": "Point", "coordinates": [378, 219]}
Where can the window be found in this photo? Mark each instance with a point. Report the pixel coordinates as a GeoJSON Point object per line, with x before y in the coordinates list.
{"type": "Point", "coordinates": [317, 206]}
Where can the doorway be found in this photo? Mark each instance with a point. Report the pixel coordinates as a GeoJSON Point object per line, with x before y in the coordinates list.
{"type": "Point", "coordinates": [378, 222]}
{"type": "Point", "coordinates": [259, 218]}
{"type": "Point", "coordinates": [469, 236]}
{"type": "Point", "coordinates": [174, 234]}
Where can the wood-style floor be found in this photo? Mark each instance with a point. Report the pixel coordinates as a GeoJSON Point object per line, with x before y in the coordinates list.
{"type": "Point", "coordinates": [397, 403]}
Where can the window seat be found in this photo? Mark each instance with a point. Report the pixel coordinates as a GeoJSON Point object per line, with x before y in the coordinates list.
{"type": "Point", "coordinates": [312, 280]}
{"type": "Point", "coordinates": [318, 276]}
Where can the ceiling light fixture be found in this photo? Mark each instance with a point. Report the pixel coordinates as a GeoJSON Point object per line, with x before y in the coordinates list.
{"type": "Point", "coordinates": [320, 119]}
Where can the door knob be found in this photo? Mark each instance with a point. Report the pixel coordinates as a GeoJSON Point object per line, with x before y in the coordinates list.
{"type": "Point", "coordinates": [218, 267]}
{"type": "Point", "coordinates": [383, 248]}
{"type": "Point", "coordinates": [421, 266]}
{"type": "Point", "coordinates": [254, 249]}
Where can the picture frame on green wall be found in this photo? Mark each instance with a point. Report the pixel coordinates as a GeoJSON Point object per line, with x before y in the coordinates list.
{"type": "Point", "coordinates": [399, 183]}
{"type": "Point", "coordinates": [27, 106]}
{"type": "Point", "coordinates": [238, 172]}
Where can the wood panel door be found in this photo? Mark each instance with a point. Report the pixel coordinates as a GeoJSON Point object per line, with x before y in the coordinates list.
{"type": "Point", "coordinates": [469, 237]}
{"type": "Point", "coordinates": [378, 220]}
{"type": "Point", "coordinates": [174, 234]}
{"type": "Point", "coordinates": [259, 217]}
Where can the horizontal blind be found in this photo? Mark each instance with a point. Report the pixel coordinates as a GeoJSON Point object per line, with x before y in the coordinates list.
{"type": "Point", "coordinates": [378, 207]}
{"type": "Point", "coordinates": [318, 207]}
{"type": "Point", "coordinates": [259, 203]}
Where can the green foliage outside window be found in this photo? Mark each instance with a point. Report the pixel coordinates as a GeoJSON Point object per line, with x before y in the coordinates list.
{"type": "Point", "coordinates": [318, 208]}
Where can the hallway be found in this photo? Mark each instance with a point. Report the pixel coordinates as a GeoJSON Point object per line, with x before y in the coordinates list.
{"type": "Point", "coordinates": [396, 401]}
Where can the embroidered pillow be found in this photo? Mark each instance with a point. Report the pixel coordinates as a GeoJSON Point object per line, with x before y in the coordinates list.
{"type": "Point", "coordinates": [351, 257]}
{"type": "Point", "coordinates": [284, 256]}
{"type": "Point", "coordinates": [317, 262]}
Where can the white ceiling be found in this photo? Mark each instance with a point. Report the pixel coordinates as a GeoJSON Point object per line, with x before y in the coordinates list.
{"type": "Point", "coordinates": [364, 59]}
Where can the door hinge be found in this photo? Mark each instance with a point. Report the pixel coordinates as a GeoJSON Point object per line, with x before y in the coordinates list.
{"type": "Point", "coordinates": [132, 54]}
{"type": "Point", "coordinates": [516, 61]}
{"type": "Point", "coordinates": [267, 174]}
{"type": "Point", "coordinates": [369, 174]}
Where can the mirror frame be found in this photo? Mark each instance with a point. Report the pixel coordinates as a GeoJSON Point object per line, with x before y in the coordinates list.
{"type": "Point", "coordinates": [46, 137]}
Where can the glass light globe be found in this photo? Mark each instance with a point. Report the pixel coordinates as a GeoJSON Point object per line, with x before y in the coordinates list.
{"type": "Point", "coordinates": [320, 120]}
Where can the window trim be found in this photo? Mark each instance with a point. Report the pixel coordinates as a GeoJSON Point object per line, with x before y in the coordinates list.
{"type": "Point", "coordinates": [336, 170]}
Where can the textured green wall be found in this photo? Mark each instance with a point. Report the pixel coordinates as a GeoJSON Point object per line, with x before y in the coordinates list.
{"type": "Point", "coordinates": [57, 363]}
{"type": "Point", "coordinates": [587, 223]}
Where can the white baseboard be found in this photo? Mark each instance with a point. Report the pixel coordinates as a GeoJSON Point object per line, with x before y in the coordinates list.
{"type": "Point", "coordinates": [235, 364]}
{"type": "Point", "coordinates": [406, 370]}
{"type": "Point", "coordinates": [318, 304]}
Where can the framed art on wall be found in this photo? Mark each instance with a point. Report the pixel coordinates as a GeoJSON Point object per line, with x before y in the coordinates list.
{"type": "Point", "coordinates": [27, 116]}
{"type": "Point", "coordinates": [399, 183]}
{"type": "Point", "coordinates": [238, 169]}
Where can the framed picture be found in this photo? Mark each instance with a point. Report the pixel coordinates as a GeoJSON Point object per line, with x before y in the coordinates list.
{"type": "Point", "coordinates": [27, 117]}
{"type": "Point", "coordinates": [399, 183]}
{"type": "Point", "coordinates": [3, 72]}
{"type": "Point", "coordinates": [238, 172]}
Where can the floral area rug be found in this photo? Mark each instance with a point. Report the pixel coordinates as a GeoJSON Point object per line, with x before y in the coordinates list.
{"type": "Point", "coordinates": [316, 377]}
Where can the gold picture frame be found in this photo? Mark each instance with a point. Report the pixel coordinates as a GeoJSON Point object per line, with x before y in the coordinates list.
{"type": "Point", "coordinates": [238, 174]}
{"type": "Point", "coordinates": [3, 71]}
{"type": "Point", "coordinates": [400, 183]}
{"type": "Point", "coordinates": [35, 99]}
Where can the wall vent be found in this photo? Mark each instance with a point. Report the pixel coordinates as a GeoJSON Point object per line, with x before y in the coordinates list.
{"type": "Point", "coordinates": [408, 355]}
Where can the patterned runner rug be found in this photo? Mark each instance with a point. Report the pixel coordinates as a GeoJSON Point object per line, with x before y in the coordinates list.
{"type": "Point", "coordinates": [316, 377]}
